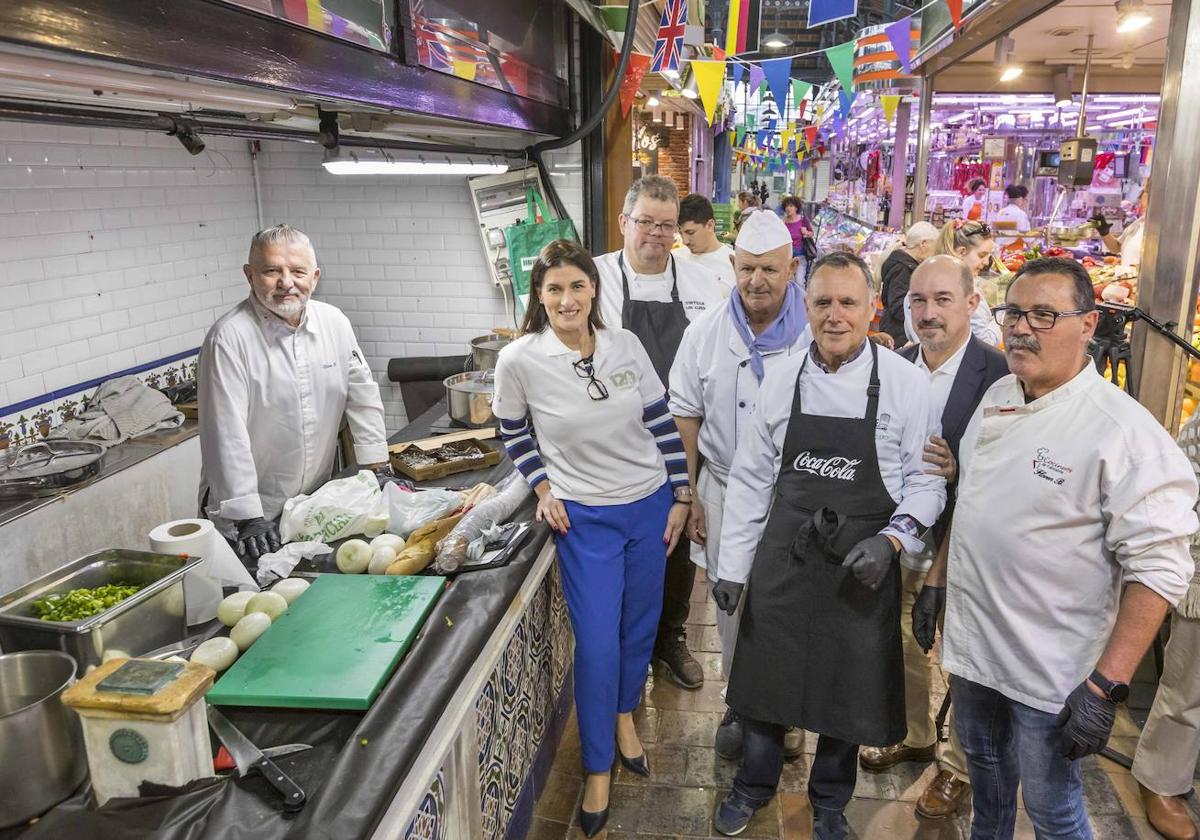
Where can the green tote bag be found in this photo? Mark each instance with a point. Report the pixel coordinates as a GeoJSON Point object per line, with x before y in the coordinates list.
{"type": "Point", "coordinates": [526, 239]}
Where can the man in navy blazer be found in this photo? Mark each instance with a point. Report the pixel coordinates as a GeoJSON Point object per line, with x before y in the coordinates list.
{"type": "Point", "coordinates": [960, 368]}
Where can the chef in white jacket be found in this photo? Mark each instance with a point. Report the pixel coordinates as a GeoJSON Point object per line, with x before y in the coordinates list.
{"type": "Point", "coordinates": [277, 374]}
{"type": "Point", "coordinates": [1068, 546]}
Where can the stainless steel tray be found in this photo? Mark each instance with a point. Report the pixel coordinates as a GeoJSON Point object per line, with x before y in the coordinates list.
{"type": "Point", "coordinates": [153, 617]}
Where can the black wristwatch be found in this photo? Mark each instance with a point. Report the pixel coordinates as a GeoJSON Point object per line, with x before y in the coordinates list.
{"type": "Point", "coordinates": [1117, 692]}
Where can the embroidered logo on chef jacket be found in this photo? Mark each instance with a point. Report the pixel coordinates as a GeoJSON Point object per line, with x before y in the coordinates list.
{"type": "Point", "coordinates": [697, 306]}
{"type": "Point", "coordinates": [835, 466]}
{"type": "Point", "coordinates": [624, 379]}
{"type": "Point", "coordinates": [1049, 469]}
{"type": "Point", "coordinates": [882, 422]}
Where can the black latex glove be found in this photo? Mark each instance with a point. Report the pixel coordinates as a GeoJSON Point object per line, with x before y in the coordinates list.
{"type": "Point", "coordinates": [1085, 722]}
{"type": "Point", "coordinates": [727, 594]}
{"type": "Point", "coordinates": [383, 472]}
{"type": "Point", "coordinates": [256, 537]}
{"type": "Point", "coordinates": [925, 613]}
{"type": "Point", "coordinates": [870, 560]}
{"type": "Point", "coordinates": [1101, 224]}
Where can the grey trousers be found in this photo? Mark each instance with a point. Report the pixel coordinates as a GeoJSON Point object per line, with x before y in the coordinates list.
{"type": "Point", "coordinates": [1166, 755]}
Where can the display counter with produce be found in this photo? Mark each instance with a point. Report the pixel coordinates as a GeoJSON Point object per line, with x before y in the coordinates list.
{"type": "Point", "coordinates": [457, 742]}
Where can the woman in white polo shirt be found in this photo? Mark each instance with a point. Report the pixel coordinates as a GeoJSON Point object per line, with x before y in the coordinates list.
{"type": "Point", "coordinates": [610, 474]}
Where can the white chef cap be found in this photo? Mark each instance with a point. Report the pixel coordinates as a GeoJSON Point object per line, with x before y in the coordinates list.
{"type": "Point", "coordinates": [763, 231]}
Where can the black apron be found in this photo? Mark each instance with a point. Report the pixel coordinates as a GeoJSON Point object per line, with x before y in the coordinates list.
{"type": "Point", "coordinates": [816, 648]}
{"type": "Point", "coordinates": [659, 325]}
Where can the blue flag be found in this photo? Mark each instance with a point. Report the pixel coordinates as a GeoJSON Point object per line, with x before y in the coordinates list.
{"type": "Point", "coordinates": [827, 11]}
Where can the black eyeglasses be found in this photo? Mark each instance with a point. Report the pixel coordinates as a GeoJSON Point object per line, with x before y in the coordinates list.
{"type": "Point", "coordinates": [645, 225]}
{"type": "Point", "coordinates": [584, 370]}
{"type": "Point", "coordinates": [1038, 319]}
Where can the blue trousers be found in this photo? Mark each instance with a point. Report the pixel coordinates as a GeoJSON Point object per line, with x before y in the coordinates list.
{"type": "Point", "coordinates": [1007, 742]}
{"type": "Point", "coordinates": [612, 560]}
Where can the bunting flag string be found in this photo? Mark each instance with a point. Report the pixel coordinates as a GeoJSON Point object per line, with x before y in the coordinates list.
{"type": "Point", "coordinates": [638, 64]}
{"type": "Point", "coordinates": [709, 77]}
{"type": "Point", "coordinates": [777, 71]}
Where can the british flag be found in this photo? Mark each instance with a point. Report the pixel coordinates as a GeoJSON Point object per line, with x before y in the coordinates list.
{"type": "Point", "coordinates": [669, 46]}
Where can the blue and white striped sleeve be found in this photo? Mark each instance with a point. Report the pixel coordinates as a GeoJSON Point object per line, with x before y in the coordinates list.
{"type": "Point", "coordinates": [657, 418]}
{"type": "Point", "coordinates": [522, 449]}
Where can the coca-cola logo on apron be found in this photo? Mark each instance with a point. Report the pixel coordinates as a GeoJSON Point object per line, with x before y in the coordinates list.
{"type": "Point", "coordinates": [835, 466]}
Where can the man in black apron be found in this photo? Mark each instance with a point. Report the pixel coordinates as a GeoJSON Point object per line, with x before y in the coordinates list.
{"type": "Point", "coordinates": [819, 644]}
{"type": "Point", "coordinates": [657, 296]}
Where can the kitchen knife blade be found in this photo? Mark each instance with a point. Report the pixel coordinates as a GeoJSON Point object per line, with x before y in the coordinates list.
{"type": "Point", "coordinates": [224, 761]}
{"type": "Point", "coordinates": [250, 758]}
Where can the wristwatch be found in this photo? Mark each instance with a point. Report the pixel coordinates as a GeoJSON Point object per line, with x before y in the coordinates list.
{"type": "Point", "coordinates": [683, 495]}
{"type": "Point", "coordinates": [1117, 692]}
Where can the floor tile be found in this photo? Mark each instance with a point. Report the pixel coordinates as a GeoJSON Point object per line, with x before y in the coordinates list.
{"type": "Point", "coordinates": [543, 829]}
{"type": "Point", "coordinates": [697, 729]}
{"type": "Point", "coordinates": [560, 796]}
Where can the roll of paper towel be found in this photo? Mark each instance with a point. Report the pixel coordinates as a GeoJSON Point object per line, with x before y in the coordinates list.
{"type": "Point", "coordinates": [219, 566]}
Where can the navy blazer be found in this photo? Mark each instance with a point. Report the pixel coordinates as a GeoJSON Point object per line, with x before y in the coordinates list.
{"type": "Point", "coordinates": [981, 365]}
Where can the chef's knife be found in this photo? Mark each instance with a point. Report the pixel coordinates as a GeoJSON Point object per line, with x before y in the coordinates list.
{"type": "Point", "coordinates": [224, 761]}
{"type": "Point", "coordinates": [250, 758]}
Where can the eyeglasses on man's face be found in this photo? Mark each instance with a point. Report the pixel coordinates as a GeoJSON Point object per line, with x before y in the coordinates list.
{"type": "Point", "coordinates": [646, 225]}
{"type": "Point", "coordinates": [1038, 319]}
{"type": "Point", "coordinates": [595, 388]}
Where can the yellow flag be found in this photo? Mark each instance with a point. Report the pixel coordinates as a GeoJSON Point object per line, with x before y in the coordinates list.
{"type": "Point", "coordinates": [465, 70]}
{"type": "Point", "coordinates": [709, 77]}
{"type": "Point", "coordinates": [785, 137]}
{"type": "Point", "coordinates": [889, 103]}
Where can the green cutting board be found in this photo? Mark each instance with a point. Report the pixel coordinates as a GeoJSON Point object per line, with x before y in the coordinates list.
{"type": "Point", "coordinates": [335, 646]}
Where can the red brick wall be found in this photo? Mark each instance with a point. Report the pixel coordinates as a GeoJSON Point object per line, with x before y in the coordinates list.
{"type": "Point", "coordinates": [675, 160]}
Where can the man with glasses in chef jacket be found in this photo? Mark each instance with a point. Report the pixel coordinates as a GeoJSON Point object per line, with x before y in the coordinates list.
{"type": "Point", "coordinates": [647, 291]}
{"type": "Point", "coordinates": [277, 374]}
{"type": "Point", "coordinates": [1069, 544]}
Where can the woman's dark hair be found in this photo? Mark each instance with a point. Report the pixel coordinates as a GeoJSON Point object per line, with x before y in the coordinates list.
{"type": "Point", "coordinates": [1015, 191]}
{"type": "Point", "coordinates": [560, 252]}
{"type": "Point", "coordinates": [975, 184]}
{"type": "Point", "coordinates": [792, 200]}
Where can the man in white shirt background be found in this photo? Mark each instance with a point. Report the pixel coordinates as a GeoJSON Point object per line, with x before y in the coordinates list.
{"type": "Point", "coordinates": [277, 374]}
{"type": "Point", "coordinates": [646, 290]}
{"type": "Point", "coordinates": [1068, 546]}
{"type": "Point", "coordinates": [698, 230]}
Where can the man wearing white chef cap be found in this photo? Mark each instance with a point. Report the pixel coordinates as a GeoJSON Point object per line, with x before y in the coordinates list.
{"type": "Point", "coordinates": [827, 485]}
{"type": "Point", "coordinates": [1069, 544]}
{"type": "Point", "coordinates": [277, 374]}
{"type": "Point", "coordinates": [721, 362]}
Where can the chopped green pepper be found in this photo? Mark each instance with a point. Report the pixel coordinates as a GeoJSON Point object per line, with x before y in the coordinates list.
{"type": "Point", "coordinates": [82, 603]}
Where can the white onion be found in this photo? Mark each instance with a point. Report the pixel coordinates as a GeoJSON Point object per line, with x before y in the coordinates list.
{"type": "Point", "coordinates": [353, 557]}
{"type": "Point", "coordinates": [271, 603]}
{"type": "Point", "coordinates": [217, 653]}
{"type": "Point", "coordinates": [247, 631]}
{"type": "Point", "coordinates": [290, 588]}
{"type": "Point", "coordinates": [233, 607]}
{"type": "Point", "coordinates": [393, 541]}
{"type": "Point", "coordinates": [381, 558]}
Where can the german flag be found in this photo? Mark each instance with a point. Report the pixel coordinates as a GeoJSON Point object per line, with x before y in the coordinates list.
{"type": "Point", "coordinates": [742, 31]}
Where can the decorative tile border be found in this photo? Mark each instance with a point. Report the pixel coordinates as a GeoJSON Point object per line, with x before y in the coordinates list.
{"type": "Point", "coordinates": [31, 420]}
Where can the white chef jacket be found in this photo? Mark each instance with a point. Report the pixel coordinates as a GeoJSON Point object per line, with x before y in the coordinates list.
{"type": "Point", "coordinates": [983, 322]}
{"type": "Point", "coordinates": [271, 401]}
{"type": "Point", "coordinates": [715, 263]}
{"type": "Point", "coordinates": [1131, 243]}
{"type": "Point", "coordinates": [906, 420]}
{"type": "Point", "coordinates": [1059, 502]}
{"type": "Point", "coordinates": [1011, 213]}
{"type": "Point", "coordinates": [941, 381]}
{"type": "Point", "coordinates": [698, 289]}
{"type": "Point", "coordinates": [711, 380]}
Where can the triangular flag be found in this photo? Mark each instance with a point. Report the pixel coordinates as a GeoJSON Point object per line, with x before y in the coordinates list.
{"type": "Point", "coordinates": [465, 69]}
{"type": "Point", "coordinates": [638, 64]}
{"type": "Point", "coordinates": [739, 135]}
{"type": "Point", "coordinates": [889, 102]}
{"type": "Point", "coordinates": [756, 77]}
{"type": "Point", "coordinates": [718, 53]}
{"type": "Point", "coordinates": [800, 112]}
{"type": "Point", "coordinates": [900, 34]}
{"type": "Point", "coordinates": [762, 138]}
{"type": "Point", "coordinates": [615, 17]}
{"type": "Point", "coordinates": [841, 59]}
{"type": "Point", "coordinates": [800, 90]}
{"type": "Point", "coordinates": [955, 7]}
{"type": "Point", "coordinates": [785, 139]}
{"type": "Point", "coordinates": [751, 120]}
{"type": "Point", "coordinates": [810, 137]}
{"type": "Point", "coordinates": [844, 100]}
{"type": "Point", "coordinates": [739, 70]}
{"type": "Point", "coordinates": [709, 78]}
{"type": "Point", "coordinates": [776, 70]}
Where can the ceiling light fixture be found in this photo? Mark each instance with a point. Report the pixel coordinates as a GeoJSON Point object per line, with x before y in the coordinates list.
{"type": "Point", "coordinates": [1062, 82]}
{"type": "Point", "coordinates": [375, 161]}
{"type": "Point", "coordinates": [1010, 73]}
{"type": "Point", "coordinates": [691, 90]}
{"type": "Point", "coordinates": [777, 40]}
{"type": "Point", "coordinates": [653, 101]}
{"type": "Point", "coordinates": [1132, 16]}
{"type": "Point", "coordinates": [1003, 59]}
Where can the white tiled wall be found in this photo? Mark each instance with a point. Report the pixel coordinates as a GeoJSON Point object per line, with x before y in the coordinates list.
{"type": "Point", "coordinates": [400, 255]}
{"type": "Point", "coordinates": [116, 248]}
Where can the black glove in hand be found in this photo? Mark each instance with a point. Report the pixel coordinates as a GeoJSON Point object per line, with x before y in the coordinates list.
{"type": "Point", "coordinates": [1085, 722]}
{"type": "Point", "coordinates": [727, 594]}
{"type": "Point", "coordinates": [256, 537]}
{"type": "Point", "coordinates": [925, 613]}
{"type": "Point", "coordinates": [1100, 223]}
{"type": "Point", "coordinates": [870, 560]}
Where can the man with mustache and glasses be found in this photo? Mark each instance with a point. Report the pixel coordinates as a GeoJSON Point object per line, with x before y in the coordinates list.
{"type": "Point", "coordinates": [1068, 546]}
{"type": "Point", "coordinates": [827, 485]}
{"type": "Point", "coordinates": [960, 368]}
{"type": "Point", "coordinates": [277, 374]}
{"type": "Point", "coordinates": [647, 291]}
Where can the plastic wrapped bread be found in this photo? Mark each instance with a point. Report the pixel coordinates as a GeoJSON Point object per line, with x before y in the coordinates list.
{"type": "Point", "coordinates": [452, 549]}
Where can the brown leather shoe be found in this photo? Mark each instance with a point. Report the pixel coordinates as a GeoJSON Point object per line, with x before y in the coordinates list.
{"type": "Point", "coordinates": [1168, 815]}
{"type": "Point", "coordinates": [793, 743]}
{"type": "Point", "coordinates": [944, 796]}
{"type": "Point", "coordinates": [878, 759]}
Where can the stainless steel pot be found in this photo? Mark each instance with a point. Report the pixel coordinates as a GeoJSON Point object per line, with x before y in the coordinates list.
{"type": "Point", "coordinates": [469, 397]}
{"type": "Point", "coordinates": [42, 757]}
{"type": "Point", "coordinates": [485, 350]}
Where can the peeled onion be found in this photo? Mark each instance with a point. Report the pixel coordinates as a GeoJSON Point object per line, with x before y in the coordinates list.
{"type": "Point", "coordinates": [353, 557]}
{"type": "Point", "coordinates": [290, 588]}
{"type": "Point", "coordinates": [233, 607]}
{"type": "Point", "coordinates": [217, 653]}
{"type": "Point", "coordinates": [393, 541]}
{"type": "Point", "coordinates": [271, 603]}
{"type": "Point", "coordinates": [247, 631]}
{"type": "Point", "coordinates": [381, 558]}
{"type": "Point", "coordinates": [376, 525]}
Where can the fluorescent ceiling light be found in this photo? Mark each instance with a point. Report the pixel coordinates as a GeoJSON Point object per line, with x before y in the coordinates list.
{"type": "Point", "coordinates": [373, 161]}
{"type": "Point", "coordinates": [1131, 16]}
{"type": "Point", "coordinates": [1010, 73]}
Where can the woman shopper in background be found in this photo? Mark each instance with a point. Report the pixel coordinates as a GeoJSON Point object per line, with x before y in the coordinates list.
{"type": "Point", "coordinates": [802, 233]}
{"type": "Point", "coordinates": [610, 474]}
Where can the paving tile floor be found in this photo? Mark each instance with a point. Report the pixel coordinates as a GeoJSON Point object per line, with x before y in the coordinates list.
{"type": "Point", "coordinates": [687, 780]}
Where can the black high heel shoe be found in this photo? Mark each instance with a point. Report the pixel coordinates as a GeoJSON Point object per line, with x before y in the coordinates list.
{"type": "Point", "coordinates": [637, 765]}
{"type": "Point", "coordinates": [591, 822]}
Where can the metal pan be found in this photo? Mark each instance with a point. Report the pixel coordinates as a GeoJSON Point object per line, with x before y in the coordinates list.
{"type": "Point", "coordinates": [48, 467]}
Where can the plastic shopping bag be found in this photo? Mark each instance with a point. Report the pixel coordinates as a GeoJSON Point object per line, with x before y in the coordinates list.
{"type": "Point", "coordinates": [408, 511]}
{"type": "Point", "coordinates": [339, 508]}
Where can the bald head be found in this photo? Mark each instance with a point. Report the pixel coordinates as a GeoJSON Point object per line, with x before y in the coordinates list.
{"type": "Point", "coordinates": [942, 295]}
{"type": "Point", "coordinates": [946, 266]}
